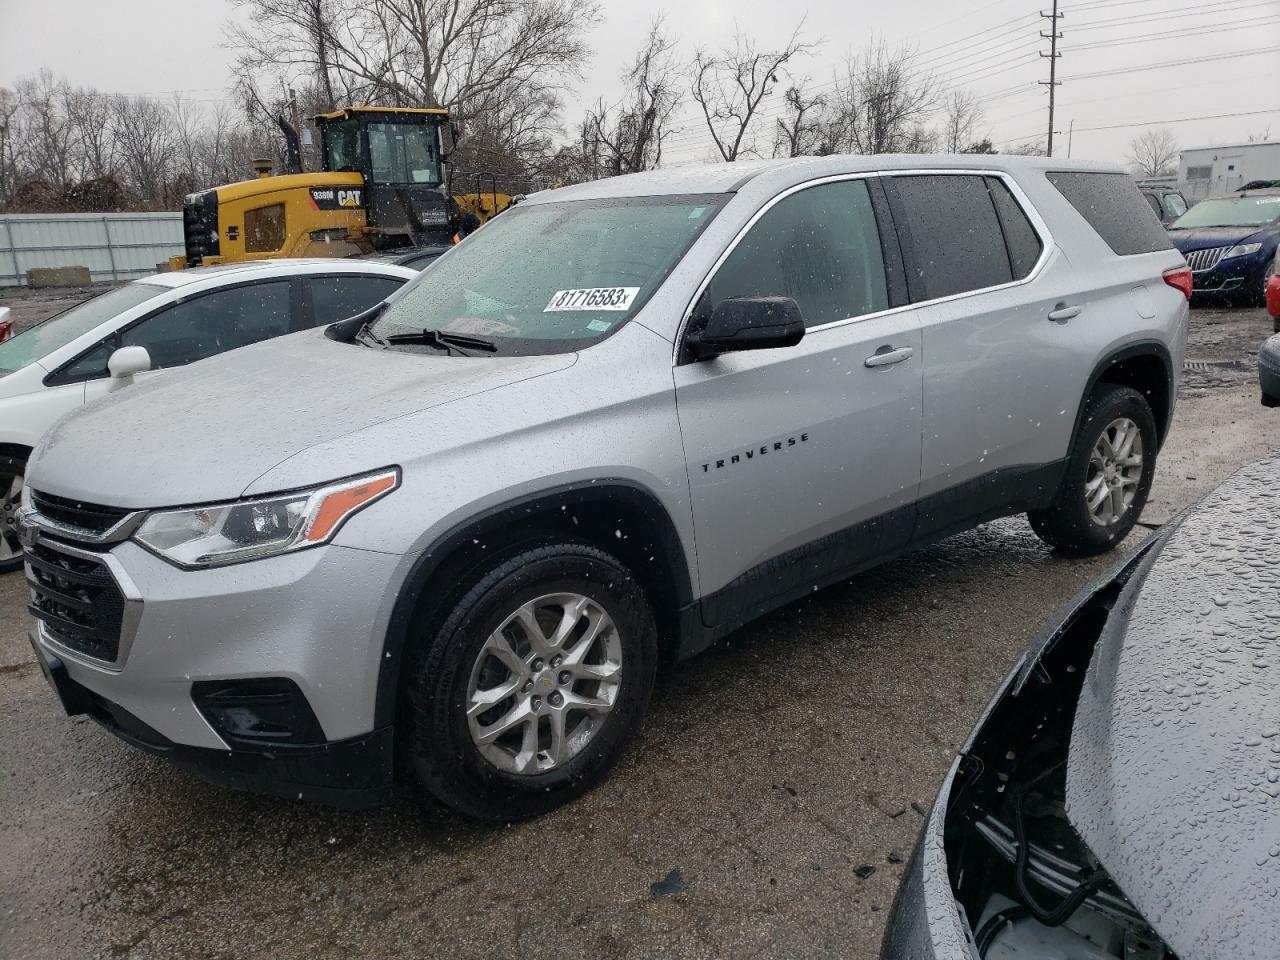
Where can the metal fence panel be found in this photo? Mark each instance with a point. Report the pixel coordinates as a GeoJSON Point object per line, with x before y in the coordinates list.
{"type": "Point", "coordinates": [114, 246]}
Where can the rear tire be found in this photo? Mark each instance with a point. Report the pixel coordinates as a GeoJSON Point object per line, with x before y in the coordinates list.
{"type": "Point", "coordinates": [565, 625]}
{"type": "Point", "coordinates": [12, 471]}
{"type": "Point", "coordinates": [1108, 476]}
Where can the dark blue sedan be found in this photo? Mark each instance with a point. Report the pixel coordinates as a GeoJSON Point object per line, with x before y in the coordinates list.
{"type": "Point", "coordinates": [1230, 244]}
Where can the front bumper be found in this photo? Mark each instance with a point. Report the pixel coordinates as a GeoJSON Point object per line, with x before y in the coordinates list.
{"type": "Point", "coordinates": [1234, 277]}
{"type": "Point", "coordinates": [356, 772]}
{"type": "Point", "coordinates": [315, 620]}
{"type": "Point", "coordinates": [925, 922]}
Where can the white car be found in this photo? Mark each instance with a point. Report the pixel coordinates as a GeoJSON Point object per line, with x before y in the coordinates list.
{"type": "Point", "coordinates": [161, 321]}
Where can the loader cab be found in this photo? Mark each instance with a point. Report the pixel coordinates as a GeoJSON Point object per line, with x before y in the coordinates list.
{"type": "Point", "coordinates": [400, 154]}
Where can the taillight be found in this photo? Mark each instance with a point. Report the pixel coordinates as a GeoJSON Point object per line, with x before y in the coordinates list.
{"type": "Point", "coordinates": [6, 330]}
{"type": "Point", "coordinates": [1180, 279]}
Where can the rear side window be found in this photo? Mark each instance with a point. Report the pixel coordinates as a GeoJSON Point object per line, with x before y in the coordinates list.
{"type": "Point", "coordinates": [207, 325]}
{"type": "Point", "coordinates": [336, 298]}
{"type": "Point", "coordinates": [1020, 237]}
{"type": "Point", "coordinates": [955, 233]}
{"type": "Point", "coordinates": [1114, 208]}
{"type": "Point", "coordinates": [820, 247]}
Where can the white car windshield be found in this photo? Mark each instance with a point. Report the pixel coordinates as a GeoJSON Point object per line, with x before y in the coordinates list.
{"type": "Point", "coordinates": [551, 277]}
{"type": "Point", "coordinates": [41, 340]}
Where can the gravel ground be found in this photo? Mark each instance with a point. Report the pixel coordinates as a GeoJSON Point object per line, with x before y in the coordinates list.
{"type": "Point", "coordinates": [765, 809]}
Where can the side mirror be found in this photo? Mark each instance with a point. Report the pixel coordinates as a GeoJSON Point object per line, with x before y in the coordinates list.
{"type": "Point", "coordinates": [125, 362]}
{"type": "Point", "coordinates": [748, 323]}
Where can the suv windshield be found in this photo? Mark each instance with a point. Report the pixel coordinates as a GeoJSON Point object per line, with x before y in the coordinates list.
{"type": "Point", "coordinates": [1230, 212]}
{"type": "Point", "coordinates": [39, 341]}
{"type": "Point", "coordinates": [552, 277]}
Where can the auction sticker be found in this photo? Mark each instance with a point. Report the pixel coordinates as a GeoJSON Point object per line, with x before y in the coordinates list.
{"type": "Point", "coordinates": [592, 298]}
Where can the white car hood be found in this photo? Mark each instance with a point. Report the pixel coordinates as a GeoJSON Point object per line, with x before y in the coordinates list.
{"type": "Point", "coordinates": [206, 432]}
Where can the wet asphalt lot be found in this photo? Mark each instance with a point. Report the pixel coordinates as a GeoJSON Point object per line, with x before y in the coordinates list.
{"type": "Point", "coordinates": [766, 809]}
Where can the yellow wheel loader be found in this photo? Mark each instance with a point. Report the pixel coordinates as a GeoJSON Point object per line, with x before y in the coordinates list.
{"type": "Point", "coordinates": [385, 184]}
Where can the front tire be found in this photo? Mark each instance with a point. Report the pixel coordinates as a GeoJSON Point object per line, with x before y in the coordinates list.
{"type": "Point", "coordinates": [533, 684]}
{"type": "Point", "coordinates": [1108, 476]}
{"type": "Point", "coordinates": [12, 472]}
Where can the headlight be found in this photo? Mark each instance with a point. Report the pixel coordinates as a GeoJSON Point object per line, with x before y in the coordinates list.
{"type": "Point", "coordinates": [1242, 250]}
{"type": "Point", "coordinates": [225, 533]}
{"type": "Point", "coordinates": [25, 500]}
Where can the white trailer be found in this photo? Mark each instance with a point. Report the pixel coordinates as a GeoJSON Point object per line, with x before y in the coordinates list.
{"type": "Point", "coordinates": [1216, 171]}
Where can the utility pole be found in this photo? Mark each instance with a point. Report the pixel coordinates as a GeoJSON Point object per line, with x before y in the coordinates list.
{"type": "Point", "coordinates": [1071, 135]}
{"type": "Point", "coordinates": [1053, 36]}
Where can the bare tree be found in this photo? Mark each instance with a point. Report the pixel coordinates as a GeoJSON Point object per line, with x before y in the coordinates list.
{"type": "Point", "coordinates": [144, 132]}
{"type": "Point", "coordinates": [84, 149]}
{"type": "Point", "coordinates": [730, 85]}
{"type": "Point", "coordinates": [1154, 153]}
{"type": "Point", "coordinates": [48, 136]}
{"type": "Point", "coordinates": [1027, 148]}
{"type": "Point", "coordinates": [800, 129]}
{"type": "Point", "coordinates": [962, 117]}
{"type": "Point", "coordinates": [627, 137]}
{"type": "Point", "coordinates": [883, 102]}
{"type": "Point", "coordinates": [469, 55]}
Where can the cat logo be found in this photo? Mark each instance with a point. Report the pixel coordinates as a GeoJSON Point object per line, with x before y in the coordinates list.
{"type": "Point", "coordinates": [331, 198]}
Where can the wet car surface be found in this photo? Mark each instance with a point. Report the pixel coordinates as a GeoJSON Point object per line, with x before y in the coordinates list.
{"type": "Point", "coordinates": [768, 809]}
{"type": "Point", "coordinates": [1117, 799]}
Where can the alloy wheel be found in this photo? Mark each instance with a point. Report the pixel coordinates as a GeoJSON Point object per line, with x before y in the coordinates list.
{"type": "Point", "coordinates": [544, 683]}
{"type": "Point", "coordinates": [10, 495]}
{"type": "Point", "coordinates": [1115, 470]}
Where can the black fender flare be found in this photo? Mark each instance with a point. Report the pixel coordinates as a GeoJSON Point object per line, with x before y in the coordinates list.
{"type": "Point", "coordinates": [1137, 348]}
{"type": "Point", "coordinates": [610, 490]}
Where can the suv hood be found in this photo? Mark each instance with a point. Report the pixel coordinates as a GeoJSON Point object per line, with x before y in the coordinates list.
{"type": "Point", "coordinates": [206, 432]}
{"type": "Point", "coordinates": [1200, 238]}
{"type": "Point", "coordinates": [1173, 773]}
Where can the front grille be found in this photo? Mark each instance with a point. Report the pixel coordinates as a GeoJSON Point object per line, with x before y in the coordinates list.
{"type": "Point", "coordinates": [1206, 259]}
{"type": "Point", "coordinates": [76, 599]}
{"type": "Point", "coordinates": [89, 517]}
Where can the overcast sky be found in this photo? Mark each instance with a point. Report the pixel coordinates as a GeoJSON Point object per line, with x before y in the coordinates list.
{"type": "Point", "coordinates": [1225, 56]}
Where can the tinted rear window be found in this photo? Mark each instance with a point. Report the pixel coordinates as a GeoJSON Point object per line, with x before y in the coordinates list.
{"type": "Point", "coordinates": [1114, 207]}
{"type": "Point", "coordinates": [955, 233]}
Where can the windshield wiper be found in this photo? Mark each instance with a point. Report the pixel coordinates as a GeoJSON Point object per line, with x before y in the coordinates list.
{"type": "Point", "coordinates": [366, 333]}
{"type": "Point", "coordinates": [449, 342]}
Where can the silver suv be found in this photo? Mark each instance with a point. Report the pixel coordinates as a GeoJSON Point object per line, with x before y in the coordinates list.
{"type": "Point", "coordinates": [454, 536]}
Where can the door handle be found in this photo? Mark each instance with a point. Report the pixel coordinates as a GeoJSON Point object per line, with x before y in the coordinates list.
{"type": "Point", "coordinates": [1061, 313]}
{"type": "Point", "coordinates": [887, 355]}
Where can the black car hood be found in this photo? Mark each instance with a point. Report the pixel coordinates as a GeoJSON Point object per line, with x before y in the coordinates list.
{"type": "Point", "coordinates": [1200, 238]}
{"type": "Point", "coordinates": [1173, 775]}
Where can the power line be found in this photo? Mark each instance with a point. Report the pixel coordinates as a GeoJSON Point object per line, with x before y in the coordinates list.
{"type": "Point", "coordinates": [956, 71]}
{"type": "Point", "coordinates": [1154, 123]}
{"type": "Point", "coordinates": [1173, 34]}
{"type": "Point", "coordinates": [1196, 10]}
{"type": "Point", "coordinates": [1142, 68]}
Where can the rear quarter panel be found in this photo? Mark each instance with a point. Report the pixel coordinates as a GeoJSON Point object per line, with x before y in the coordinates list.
{"type": "Point", "coordinates": [1126, 299]}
